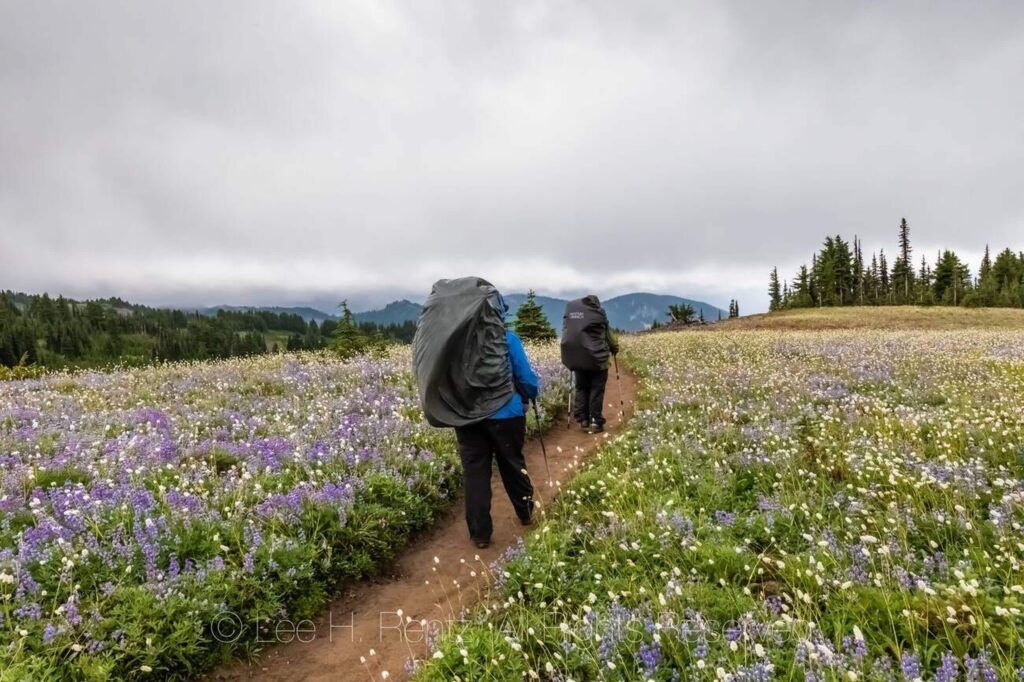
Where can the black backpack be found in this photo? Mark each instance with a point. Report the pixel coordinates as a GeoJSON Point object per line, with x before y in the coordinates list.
{"type": "Point", "coordinates": [460, 354]}
{"type": "Point", "coordinates": [585, 335]}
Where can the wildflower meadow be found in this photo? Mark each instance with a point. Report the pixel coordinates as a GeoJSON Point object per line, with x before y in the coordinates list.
{"type": "Point", "coordinates": [150, 519]}
{"type": "Point", "coordinates": [810, 505]}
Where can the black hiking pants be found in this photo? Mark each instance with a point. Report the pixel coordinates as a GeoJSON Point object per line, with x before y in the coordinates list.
{"type": "Point", "coordinates": [589, 398]}
{"type": "Point", "coordinates": [500, 439]}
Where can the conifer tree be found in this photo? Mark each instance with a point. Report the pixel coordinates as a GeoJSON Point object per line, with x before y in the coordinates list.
{"type": "Point", "coordinates": [924, 279]}
{"type": "Point", "coordinates": [802, 296]}
{"type": "Point", "coordinates": [884, 283]}
{"type": "Point", "coordinates": [531, 323]}
{"type": "Point", "coordinates": [986, 264]}
{"type": "Point", "coordinates": [872, 284]}
{"type": "Point", "coordinates": [348, 339]}
{"type": "Point", "coordinates": [952, 279]}
{"type": "Point", "coordinates": [774, 291]}
{"type": "Point", "coordinates": [902, 270]}
{"type": "Point", "coordinates": [858, 271]}
{"type": "Point", "coordinates": [986, 291]}
{"type": "Point", "coordinates": [681, 313]}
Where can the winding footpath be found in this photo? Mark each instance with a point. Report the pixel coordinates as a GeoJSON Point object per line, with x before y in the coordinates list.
{"type": "Point", "coordinates": [374, 628]}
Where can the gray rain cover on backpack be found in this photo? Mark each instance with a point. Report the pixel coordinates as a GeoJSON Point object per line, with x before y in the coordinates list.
{"type": "Point", "coordinates": [460, 355]}
{"type": "Point", "coordinates": [585, 335]}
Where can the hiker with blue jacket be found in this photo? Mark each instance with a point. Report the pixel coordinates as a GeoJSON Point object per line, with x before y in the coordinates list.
{"type": "Point", "coordinates": [473, 375]}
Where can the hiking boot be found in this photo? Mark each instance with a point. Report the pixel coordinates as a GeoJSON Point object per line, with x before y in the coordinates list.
{"type": "Point", "coordinates": [481, 544]}
{"type": "Point", "coordinates": [596, 428]}
{"type": "Point", "coordinates": [528, 521]}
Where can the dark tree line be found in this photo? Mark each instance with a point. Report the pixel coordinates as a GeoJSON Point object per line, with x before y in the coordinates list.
{"type": "Point", "coordinates": [841, 275]}
{"type": "Point", "coordinates": [59, 332]}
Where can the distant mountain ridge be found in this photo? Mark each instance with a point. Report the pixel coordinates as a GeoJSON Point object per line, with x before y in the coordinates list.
{"type": "Point", "coordinates": [629, 312]}
{"type": "Point", "coordinates": [396, 312]}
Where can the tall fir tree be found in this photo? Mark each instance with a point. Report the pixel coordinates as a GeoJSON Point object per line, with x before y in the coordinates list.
{"type": "Point", "coordinates": [802, 296]}
{"type": "Point", "coordinates": [884, 282]}
{"type": "Point", "coordinates": [812, 288]}
{"type": "Point", "coordinates": [774, 291]}
{"type": "Point", "coordinates": [858, 271]}
{"type": "Point", "coordinates": [531, 323]}
{"type": "Point", "coordinates": [952, 279]}
{"type": "Point", "coordinates": [902, 269]}
{"type": "Point", "coordinates": [872, 282]}
{"type": "Point", "coordinates": [986, 264]}
{"type": "Point", "coordinates": [986, 292]}
{"type": "Point", "coordinates": [923, 284]}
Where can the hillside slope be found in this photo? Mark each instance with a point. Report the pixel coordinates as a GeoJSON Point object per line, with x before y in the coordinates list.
{"type": "Point", "coordinates": [305, 312]}
{"type": "Point", "coordinates": [886, 317]}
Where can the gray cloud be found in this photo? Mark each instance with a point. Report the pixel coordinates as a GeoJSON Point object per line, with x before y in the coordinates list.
{"type": "Point", "coordinates": [279, 152]}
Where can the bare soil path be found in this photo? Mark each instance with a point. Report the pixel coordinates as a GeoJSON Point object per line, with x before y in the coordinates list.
{"type": "Point", "coordinates": [373, 629]}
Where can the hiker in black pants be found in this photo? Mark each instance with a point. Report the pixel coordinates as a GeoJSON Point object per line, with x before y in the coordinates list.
{"type": "Point", "coordinates": [499, 437]}
{"type": "Point", "coordinates": [587, 341]}
{"type": "Point", "coordinates": [473, 375]}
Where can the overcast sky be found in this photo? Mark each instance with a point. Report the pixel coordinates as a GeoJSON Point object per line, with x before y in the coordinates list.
{"type": "Point", "coordinates": [286, 152]}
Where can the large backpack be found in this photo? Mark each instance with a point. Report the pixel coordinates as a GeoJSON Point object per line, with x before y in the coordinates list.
{"type": "Point", "coordinates": [460, 354]}
{"type": "Point", "coordinates": [585, 335]}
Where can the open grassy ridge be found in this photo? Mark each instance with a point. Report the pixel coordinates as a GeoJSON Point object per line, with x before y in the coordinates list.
{"type": "Point", "coordinates": [892, 317]}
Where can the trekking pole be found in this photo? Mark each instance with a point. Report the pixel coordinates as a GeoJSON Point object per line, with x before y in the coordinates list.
{"type": "Point", "coordinates": [572, 383]}
{"type": "Point", "coordinates": [619, 383]}
{"type": "Point", "coordinates": [540, 436]}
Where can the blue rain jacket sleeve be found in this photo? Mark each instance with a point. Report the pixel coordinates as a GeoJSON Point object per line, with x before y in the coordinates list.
{"type": "Point", "coordinates": [524, 376]}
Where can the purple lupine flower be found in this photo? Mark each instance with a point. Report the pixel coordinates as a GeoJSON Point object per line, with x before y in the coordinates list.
{"type": "Point", "coordinates": [980, 669]}
{"type": "Point", "coordinates": [681, 525]}
{"type": "Point", "coordinates": [855, 648]}
{"type": "Point", "coordinates": [650, 658]}
{"type": "Point", "coordinates": [949, 669]}
{"type": "Point", "coordinates": [725, 518]}
{"type": "Point", "coordinates": [910, 666]}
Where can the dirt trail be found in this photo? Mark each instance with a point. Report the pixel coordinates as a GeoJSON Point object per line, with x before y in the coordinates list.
{"type": "Point", "coordinates": [436, 578]}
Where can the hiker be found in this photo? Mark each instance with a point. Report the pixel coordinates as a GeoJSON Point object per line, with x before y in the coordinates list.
{"type": "Point", "coordinates": [473, 375]}
{"type": "Point", "coordinates": [587, 340]}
